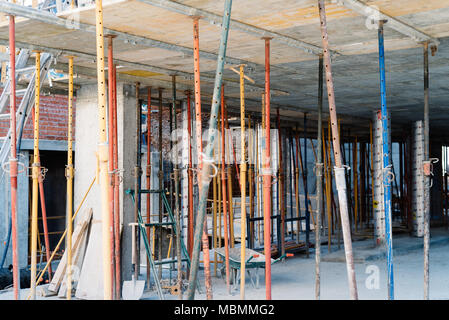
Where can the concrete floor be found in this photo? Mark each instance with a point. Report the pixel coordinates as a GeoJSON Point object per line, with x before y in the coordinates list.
{"type": "Point", "coordinates": [295, 278]}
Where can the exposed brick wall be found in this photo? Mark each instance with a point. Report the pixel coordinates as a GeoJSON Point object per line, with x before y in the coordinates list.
{"type": "Point", "coordinates": [53, 117]}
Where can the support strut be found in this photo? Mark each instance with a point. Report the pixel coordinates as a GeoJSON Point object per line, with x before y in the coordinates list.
{"type": "Point", "coordinates": [339, 169]}
{"type": "Point", "coordinates": [386, 163]}
{"type": "Point", "coordinates": [206, 170]}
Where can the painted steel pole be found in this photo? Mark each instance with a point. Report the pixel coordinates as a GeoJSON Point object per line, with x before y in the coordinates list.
{"type": "Point", "coordinates": [224, 192]}
{"type": "Point", "coordinates": [386, 163]}
{"type": "Point", "coordinates": [281, 183]}
{"type": "Point", "coordinates": [426, 177]}
{"type": "Point", "coordinates": [190, 168]}
{"type": "Point", "coordinates": [190, 177]}
{"type": "Point", "coordinates": [35, 176]}
{"type": "Point", "coordinates": [161, 183]}
{"type": "Point", "coordinates": [243, 186]}
{"type": "Point", "coordinates": [103, 152]}
{"type": "Point", "coordinates": [208, 162]}
{"type": "Point", "coordinates": [198, 120]}
{"type": "Point", "coordinates": [319, 182]}
{"type": "Point", "coordinates": [266, 174]}
{"type": "Point", "coordinates": [69, 177]}
{"type": "Point", "coordinates": [306, 195]}
{"type": "Point", "coordinates": [339, 169]}
{"type": "Point", "coordinates": [148, 175]}
{"type": "Point", "coordinates": [137, 174]}
{"type": "Point", "coordinates": [177, 211]}
{"type": "Point", "coordinates": [13, 157]}
{"type": "Point", "coordinates": [116, 191]}
{"type": "Point", "coordinates": [111, 151]}
{"type": "Point", "coordinates": [199, 133]}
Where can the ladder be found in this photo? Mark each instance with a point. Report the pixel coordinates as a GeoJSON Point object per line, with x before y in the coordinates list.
{"type": "Point", "coordinates": [27, 103]}
{"type": "Point", "coordinates": [172, 223]}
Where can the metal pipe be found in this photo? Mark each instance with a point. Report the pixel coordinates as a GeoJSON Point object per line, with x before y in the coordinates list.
{"type": "Point", "coordinates": [306, 195]}
{"type": "Point", "coordinates": [243, 185]}
{"type": "Point", "coordinates": [103, 152]}
{"type": "Point", "coordinates": [426, 177]}
{"type": "Point", "coordinates": [281, 184]}
{"type": "Point", "coordinates": [205, 239]}
{"type": "Point", "coordinates": [161, 183]}
{"type": "Point", "coordinates": [355, 180]}
{"type": "Point", "coordinates": [319, 182]}
{"type": "Point", "coordinates": [137, 173]}
{"type": "Point", "coordinates": [69, 176]}
{"type": "Point", "coordinates": [111, 153]}
{"type": "Point", "coordinates": [198, 120]}
{"type": "Point", "coordinates": [13, 159]}
{"type": "Point", "coordinates": [339, 169]}
{"type": "Point", "coordinates": [386, 163]}
{"type": "Point", "coordinates": [224, 192]}
{"type": "Point", "coordinates": [148, 176]}
{"type": "Point", "coordinates": [177, 211]}
{"type": "Point", "coordinates": [205, 174]}
{"type": "Point", "coordinates": [251, 180]}
{"type": "Point", "coordinates": [229, 179]}
{"type": "Point", "coordinates": [267, 172]}
{"type": "Point", "coordinates": [35, 176]}
{"type": "Point", "coordinates": [190, 176]}
{"type": "Point", "coordinates": [116, 190]}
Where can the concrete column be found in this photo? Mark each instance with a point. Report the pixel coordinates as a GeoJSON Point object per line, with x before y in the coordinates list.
{"type": "Point", "coordinates": [90, 285]}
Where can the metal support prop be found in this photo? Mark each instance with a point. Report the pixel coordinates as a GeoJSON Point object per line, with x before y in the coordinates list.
{"type": "Point", "coordinates": [386, 163]}
{"type": "Point", "coordinates": [281, 185]}
{"type": "Point", "coordinates": [190, 177]}
{"type": "Point", "coordinates": [224, 192]}
{"type": "Point", "coordinates": [426, 177]}
{"type": "Point", "coordinates": [198, 122]}
{"type": "Point", "coordinates": [355, 181]}
{"type": "Point", "coordinates": [137, 174]}
{"type": "Point", "coordinates": [176, 196]}
{"type": "Point", "coordinates": [111, 152]}
{"type": "Point", "coordinates": [205, 174]}
{"type": "Point", "coordinates": [13, 157]}
{"type": "Point", "coordinates": [103, 152]}
{"type": "Point", "coordinates": [161, 185]}
{"type": "Point", "coordinates": [266, 174]}
{"type": "Point", "coordinates": [199, 135]}
{"type": "Point", "coordinates": [35, 176]}
{"type": "Point", "coordinates": [339, 169]}
{"type": "Point", "coordinates": [116, 189]}
{"type": "Point", "coordinates": [319, 182]}
{"type": "Point", "coordinates": [306, 195]}
{"type": "Point", "coordinates": [148, 176]}
{"type": "Point", "coordinates": [229, 180]}
{"type": "Point", "coordinates": [251, 163]}
{"type": "Point", "coordinates": [69, 177]}
{"type": "Point", "coordinates": [243, 186]}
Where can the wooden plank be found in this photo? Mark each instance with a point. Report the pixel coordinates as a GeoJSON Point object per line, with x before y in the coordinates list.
{"type": "Point", "coordinates": [80, 227]}
{"type": "Point", "coordinates": [77, 263]}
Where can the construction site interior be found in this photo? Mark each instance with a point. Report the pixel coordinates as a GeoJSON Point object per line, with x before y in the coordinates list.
{"type": "Point", "coordinates": [199, 149]}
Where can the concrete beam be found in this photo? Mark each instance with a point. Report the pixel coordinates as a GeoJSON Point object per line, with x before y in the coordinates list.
{"type": "Point", "coordinates": [50, 18]}
{"type": "Point", "coordinates": [216, 19]}
{"type": "Point", "coordinates": [401, 27]}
